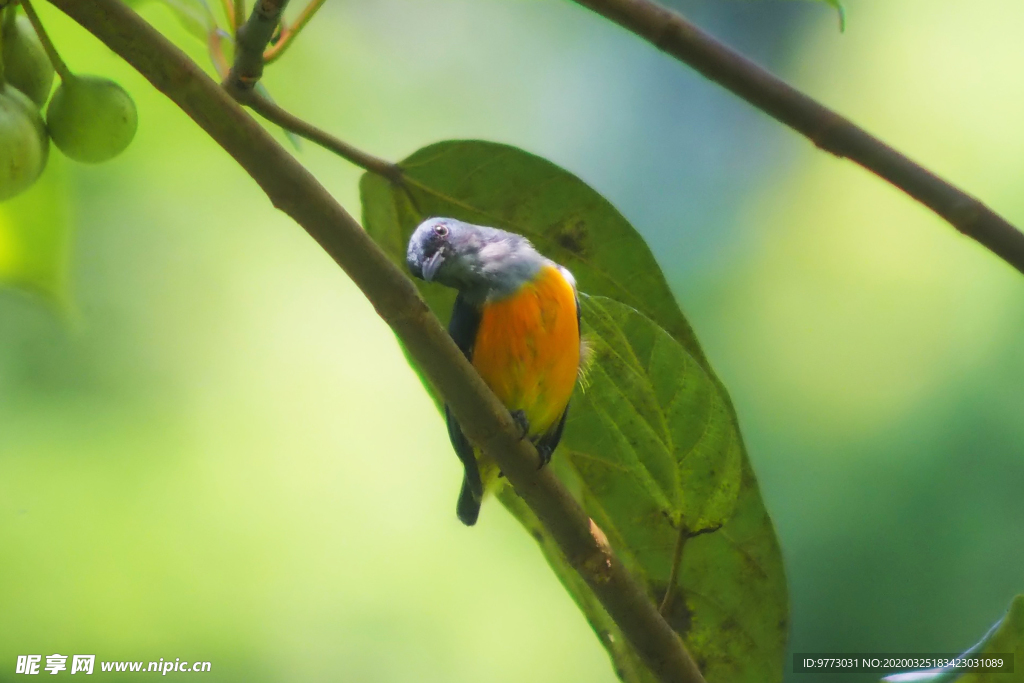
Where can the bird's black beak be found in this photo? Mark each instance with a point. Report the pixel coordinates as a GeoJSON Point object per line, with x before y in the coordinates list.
{"type": "Point", "coordinates": [432, 264]}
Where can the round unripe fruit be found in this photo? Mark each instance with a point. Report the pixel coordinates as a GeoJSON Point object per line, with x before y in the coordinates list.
{"type": "Point", "coordinates": [91, 119]}
{"type": "Point", "coordinates": [26, 65]}
{"type": "Point", "coordinates": [24, 144]}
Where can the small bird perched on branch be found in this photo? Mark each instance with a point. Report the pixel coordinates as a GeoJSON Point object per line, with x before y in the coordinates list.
{"type": "Point", "coordinates": [517, 320]}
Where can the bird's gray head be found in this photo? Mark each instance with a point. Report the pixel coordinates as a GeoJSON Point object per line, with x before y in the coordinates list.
{"type": "Point", "coordinates": [479, 261]}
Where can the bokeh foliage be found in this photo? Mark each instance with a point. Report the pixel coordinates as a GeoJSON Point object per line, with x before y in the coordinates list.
{"type": "Point", "coordinates": [180, 475]}
{"type": "Point", "coordinates": [35, 239]}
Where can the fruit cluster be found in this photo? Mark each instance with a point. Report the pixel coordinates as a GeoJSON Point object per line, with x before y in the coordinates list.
{"type": "Point", "coordinates": [89, 118]}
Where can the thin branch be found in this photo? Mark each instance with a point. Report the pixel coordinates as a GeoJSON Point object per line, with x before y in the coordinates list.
{"type": "Point", "coordinates": [276, 114]}
{"type": "Point", "coordinates": [51, 51]}
{"type": "Point", "coordinates": [289, 34]}
{"type": "Point", "coordinates": [250, 40]}
{"type": "Point", "coordinates": [292, 189]}
{"type": "Point", "coordinates": [833, 133]}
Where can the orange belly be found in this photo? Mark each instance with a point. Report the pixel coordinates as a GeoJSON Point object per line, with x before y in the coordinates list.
{"type": "Point", "coordinates": [527, 348]}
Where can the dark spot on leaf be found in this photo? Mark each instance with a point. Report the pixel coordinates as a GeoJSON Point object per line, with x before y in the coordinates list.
{"type": "Point", "coordinates": [572, 236]}
{"type": "Point", "coordinates": [729, 625]}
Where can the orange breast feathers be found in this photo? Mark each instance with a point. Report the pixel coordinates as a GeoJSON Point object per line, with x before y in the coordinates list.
{"type": "Point", "coordinates": [527, 348]}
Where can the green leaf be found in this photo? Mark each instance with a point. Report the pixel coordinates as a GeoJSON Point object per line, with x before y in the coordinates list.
{"type": "Point", "coordinates": [35, 239]}
{"type": "Point", "coordinates": [652, 453]}
{"type": "Point", "coordinates": [1006, 636]}
{"type": "Point", "coordinates": [505, 187]}
{"type": "Point", "coordinates": [194, 15]}
{"type": "Point", "coordinates": [651, 437]}
{"type": "Point", "coordinates": [652, 449]}
{"type": "Point", "coordinates": [841, 11]}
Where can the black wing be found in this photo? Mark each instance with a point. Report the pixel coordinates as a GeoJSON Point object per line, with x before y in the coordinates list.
{"type": "Point", "coordinates": [462, 328]}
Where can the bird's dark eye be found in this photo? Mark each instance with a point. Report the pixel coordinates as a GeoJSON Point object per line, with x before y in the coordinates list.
{"type": "Point", "coordinates": [441, 230]}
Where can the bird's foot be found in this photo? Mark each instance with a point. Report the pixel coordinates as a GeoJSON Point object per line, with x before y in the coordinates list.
{"type": "Point", "coordinates": [519, 417]}
{"type": "Point", "coordinates": [545, 455]}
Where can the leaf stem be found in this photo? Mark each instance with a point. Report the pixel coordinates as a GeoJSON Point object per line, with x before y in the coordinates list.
{"type": "Point", "coordinates": [237, 12]}
{"type": "Point", "coordinates": [289, 34]}
{"type": "Point", "coordinates": [285, 119]}
{"type": "Point", "coordinates": [673, 575]}
{"type": "Point", "coordinates": [58, 64]}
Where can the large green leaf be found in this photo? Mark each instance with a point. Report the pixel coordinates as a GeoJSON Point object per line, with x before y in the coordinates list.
{"type": "Point", "coordinates": [652, 449]}
{"type": "Point", "coordinates": [1005, 637]}
{"type": "Point", "coordinates": [652, 453]}
{"type": "Point", "coordinates": [503, 186]}
{"type": "Point", "coordinates": [651, 437]}
{"type": "Point", "coordinates": [654, 485]}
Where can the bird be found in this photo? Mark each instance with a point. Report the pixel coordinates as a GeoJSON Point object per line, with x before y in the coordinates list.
{"type": "Point", "coordinates": [517, 320]}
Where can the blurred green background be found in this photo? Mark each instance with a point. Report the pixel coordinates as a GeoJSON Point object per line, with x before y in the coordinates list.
{"type": "Point", "coordinates": [211, 448]}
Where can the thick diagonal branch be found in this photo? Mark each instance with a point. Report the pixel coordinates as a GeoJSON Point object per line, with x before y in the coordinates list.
{"type": "Point", "coordinates": [295, 191]}
{"type": "Point", "coordinates": [833, 133]}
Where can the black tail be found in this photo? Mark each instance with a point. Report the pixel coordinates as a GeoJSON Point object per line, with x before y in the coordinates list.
{"type": "Point", "coordinates": [468, 507]}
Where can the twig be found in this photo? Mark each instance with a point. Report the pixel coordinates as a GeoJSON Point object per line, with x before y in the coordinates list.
{"type": "Point", "coordinates": [292, 189]}
{"type": "Point", "coordinates": [266, 108]}
{"type": "Point", "coordinates": [275, 114]}
{"type": "Point", "coordinates": [289, 34]}
{"type": "Point", "coordinates": [237, 12]}
{"type": "Point", "coordinates": [833, 133]}
{"type": "Point", "coordinates": [250, 40]}
{"type": "Point", "coordinates": [58, 64]}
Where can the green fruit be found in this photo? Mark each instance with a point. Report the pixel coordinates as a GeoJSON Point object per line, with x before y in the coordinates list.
{"type": "Point", "coordinates": [26, 65]}
{"type": "Point", "coordinates": [24, 145]}
{"type": "Point", "coordinates": [91, 119]}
